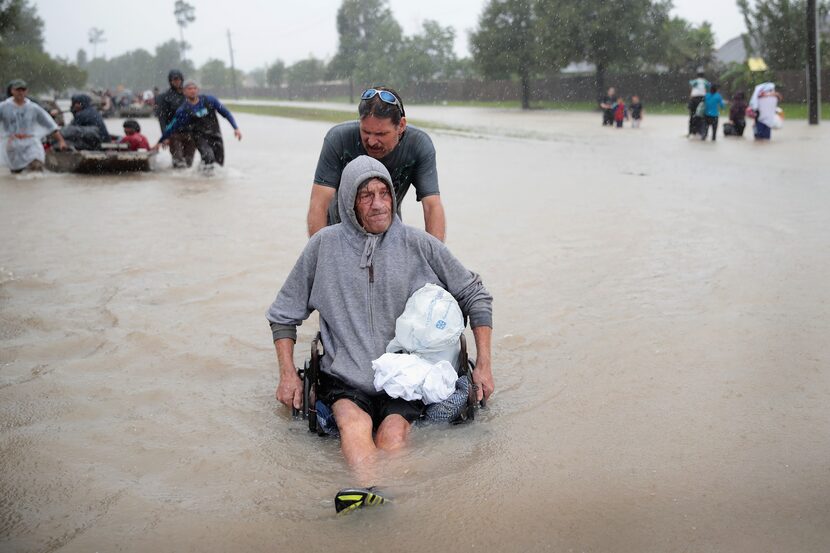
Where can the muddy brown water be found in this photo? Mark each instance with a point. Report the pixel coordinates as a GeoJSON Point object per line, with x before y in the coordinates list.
{"type": "Point", "coordinates": [660, 350]}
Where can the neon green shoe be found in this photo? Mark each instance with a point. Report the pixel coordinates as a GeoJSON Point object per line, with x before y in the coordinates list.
{"type": "Point", "coordinates": [348, 500]}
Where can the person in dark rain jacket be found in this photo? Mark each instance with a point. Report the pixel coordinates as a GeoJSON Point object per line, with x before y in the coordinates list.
{"type": "Point", "coordinates": [182, 147]}
{"type": "Point", "coordinates": [86, 115]}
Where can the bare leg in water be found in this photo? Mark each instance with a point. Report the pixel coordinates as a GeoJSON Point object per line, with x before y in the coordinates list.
{"type": "Point", "coordinates": [359, 448]}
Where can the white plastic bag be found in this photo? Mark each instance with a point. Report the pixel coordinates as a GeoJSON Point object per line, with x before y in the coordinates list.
{"type": "Point", "coordinates": [411, 378]}
{"type": "Point", "coordinates": [430, 326]}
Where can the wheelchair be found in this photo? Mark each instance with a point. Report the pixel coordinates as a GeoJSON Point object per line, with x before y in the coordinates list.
{"type": "Point", "coordinates": [310, 376]}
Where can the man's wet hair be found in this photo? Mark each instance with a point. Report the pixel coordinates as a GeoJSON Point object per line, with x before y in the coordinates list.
{"type": "Point", "coordinates": [376, 107]}
{"type": "Point", "coordinates": [713, 88]}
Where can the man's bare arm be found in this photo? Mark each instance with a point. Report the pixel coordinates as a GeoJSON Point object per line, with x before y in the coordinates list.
{"type": "Point", "coordinates": [59, 137]}
{"type": "Point", "coordinates": [290, 389]}
{"type": "Point", "coordinates": [318, 207]}
{"type": "Point", "coordinates": [483, 373]}
{"type": "Point", "coordinates": [434, 220]}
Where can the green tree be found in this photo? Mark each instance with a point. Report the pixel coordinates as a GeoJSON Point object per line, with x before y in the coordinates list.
{"type": "Point", "coordinates": [687, 46]}
{"type": "Point", "coordinates": [307, 71]}
{"type": "Point", "coordinates": [41, 72]}
{"type": "Point", "coordinates": [275, 74]}
{"type": "Point", "coordinates": [134, 70]}
{"type": "Point", "coordinates": [509, 42]}
{"type": "Point", "coordinates": [627, 34]}
{"type": "Point", "coordinates": [257, 76]}
{"type": "Point", "coordinates": [369, 39]}
{"type": "Point", "coordinates": [169, 56]}
{"type": "Point", "coordinates": [20, 25]}
{"type": "Point", "coordinates": [429, 55]}
{"type": "Point", "coordinates": [777, 31]}
{"type": "Point", "coordinates": [215, 74]}
{"type": "Point", "coordinates": [137, 69]}
{"type": "Point", "coordinates": [22, 55]}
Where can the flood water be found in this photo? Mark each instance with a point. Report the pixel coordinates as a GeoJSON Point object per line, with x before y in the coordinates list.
{"type": "Point", "coordinates": [662, 310]}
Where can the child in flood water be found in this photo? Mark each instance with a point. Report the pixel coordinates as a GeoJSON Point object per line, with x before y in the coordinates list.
{"type": "Point", "coordinates": [620, 112]}
{"type": "Point", "coordinates": [636, 112]}
{"type": "Point", "coordinates": [134, 139]}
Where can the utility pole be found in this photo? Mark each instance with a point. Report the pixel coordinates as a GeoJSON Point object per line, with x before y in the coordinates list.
{"type": "Point", "coordinates": [813, 68]}
{"type": "Point", "coordinates": [96, 37]}
{"type": "Point", "coordinates": [233, 68]}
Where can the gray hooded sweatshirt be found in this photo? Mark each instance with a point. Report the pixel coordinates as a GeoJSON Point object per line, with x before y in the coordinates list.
{"type": "Point", "coordinates": [360, 282]}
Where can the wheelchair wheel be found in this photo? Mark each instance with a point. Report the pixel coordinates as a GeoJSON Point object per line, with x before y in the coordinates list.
{"type": "Point", "coordinates": [309, 410]}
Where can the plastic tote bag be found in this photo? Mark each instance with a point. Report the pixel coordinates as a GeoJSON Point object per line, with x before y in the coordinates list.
{"type": "Point", "coordinates": [430, 326]}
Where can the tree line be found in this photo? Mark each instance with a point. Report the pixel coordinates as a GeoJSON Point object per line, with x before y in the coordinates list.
{"type": "Point", "coordinates": [514, 39]}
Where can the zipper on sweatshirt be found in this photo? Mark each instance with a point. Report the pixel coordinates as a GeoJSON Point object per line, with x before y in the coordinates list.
{"type": "Point", "coordinates": [371, 311]}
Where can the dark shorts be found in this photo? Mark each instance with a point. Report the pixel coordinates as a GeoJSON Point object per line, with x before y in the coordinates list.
{"type": "Point", "coordinates": [762, 131]}
{"type": "Point", "coordinates": [377, 407]}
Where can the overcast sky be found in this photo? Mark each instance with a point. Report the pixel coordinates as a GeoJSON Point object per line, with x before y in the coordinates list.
{"type": "Point", "coordinates": [263, 31]}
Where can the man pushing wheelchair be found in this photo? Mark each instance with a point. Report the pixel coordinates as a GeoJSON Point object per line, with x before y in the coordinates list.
{"type": "Point", "coordinates": [358, 275]}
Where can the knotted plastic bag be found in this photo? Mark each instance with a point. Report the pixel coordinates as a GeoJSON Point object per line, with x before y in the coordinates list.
{"type": "Point", "coordinates": [430, 326]}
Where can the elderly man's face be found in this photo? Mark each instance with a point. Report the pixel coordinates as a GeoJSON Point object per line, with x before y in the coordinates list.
{"type": "Point", "coordinates": [373, 206]}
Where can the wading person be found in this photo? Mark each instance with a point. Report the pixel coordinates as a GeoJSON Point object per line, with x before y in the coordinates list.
{"type": "Point", "coordinates": [182, 147]}
{"type": "Point", "coordinates": [380, 132]}
{"type": "Point", "coordinates": [606, 104]}
{"type": "Point", "coordinates": [764, 102]}
{"type": "Point", "coordinates": [737, 115]}
{"type": "Point", "coordinates": [714, 103]}
{"type": "Point", "coordinates": [22, 124]}
{"type": "Point", "coordinates": [699, 86]}
{"type": "Point", "coordinates": [197, 117]}
{"type": "Point", "coordinates": [358, 275]}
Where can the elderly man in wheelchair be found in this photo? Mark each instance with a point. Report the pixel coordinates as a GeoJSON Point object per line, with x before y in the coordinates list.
{"type": "Point", "coordinates": [358, 275]}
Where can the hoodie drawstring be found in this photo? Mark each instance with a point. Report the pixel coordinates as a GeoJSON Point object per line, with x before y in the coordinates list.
{"type": "Point", "coordinates": [369, 250]}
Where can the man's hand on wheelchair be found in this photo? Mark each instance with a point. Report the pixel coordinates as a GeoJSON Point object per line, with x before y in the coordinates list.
{"type": "Point", "coordinates": [483, 380]}
{"type": "Point", "coordinates": [290, 391]}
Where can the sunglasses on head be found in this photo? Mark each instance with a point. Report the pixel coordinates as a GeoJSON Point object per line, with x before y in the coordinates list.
{"type": "Point", "coordinates": [386, 96]}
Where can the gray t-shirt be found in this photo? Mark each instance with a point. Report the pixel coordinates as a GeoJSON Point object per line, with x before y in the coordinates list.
{"type": "Point", "coordinates": [412, 162]}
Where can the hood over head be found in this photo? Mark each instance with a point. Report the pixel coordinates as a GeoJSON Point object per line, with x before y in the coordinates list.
{"type": "Point", "coordinates": [358, 171]}
{"type": "Point", "coordinates": [82, 99]}
{"type": "Point", "coordinates": [174, 74]}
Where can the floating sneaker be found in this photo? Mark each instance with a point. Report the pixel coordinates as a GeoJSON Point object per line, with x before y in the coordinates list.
{"type": "Point", "coordinates": [349, 500]}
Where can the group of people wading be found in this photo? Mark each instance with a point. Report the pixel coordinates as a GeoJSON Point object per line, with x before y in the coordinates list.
{"type": "Point", "coordinates": [188, 123]}
{"type": "Point", "coordinates": [706, 102]}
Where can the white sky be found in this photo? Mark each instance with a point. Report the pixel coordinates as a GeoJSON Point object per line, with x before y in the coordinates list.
{"type": "Point", "coordinates": [263, 30]}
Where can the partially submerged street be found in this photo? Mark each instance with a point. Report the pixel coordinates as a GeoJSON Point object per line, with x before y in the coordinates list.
{"type": "Point", "coordinates": [660, 350]}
